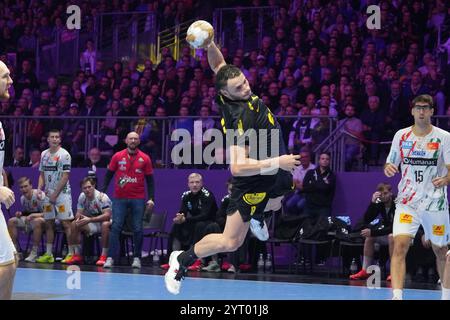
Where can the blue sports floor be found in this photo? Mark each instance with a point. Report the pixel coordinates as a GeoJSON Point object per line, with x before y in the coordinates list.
{"type": "Point", "coordinates": [42, 284]}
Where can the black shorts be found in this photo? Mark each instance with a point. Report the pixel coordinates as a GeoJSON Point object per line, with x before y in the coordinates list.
{"type": "Point", "coordinates": [251, 201]}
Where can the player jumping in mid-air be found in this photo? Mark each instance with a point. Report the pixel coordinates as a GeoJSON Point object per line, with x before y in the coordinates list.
{"type": "Point", "coordinates": [259, 183]}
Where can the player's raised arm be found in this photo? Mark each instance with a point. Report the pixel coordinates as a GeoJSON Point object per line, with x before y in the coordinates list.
{"type": "Point", "coordinates": [215, 57]}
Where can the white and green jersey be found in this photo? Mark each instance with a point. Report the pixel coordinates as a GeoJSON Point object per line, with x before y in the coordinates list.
{"type": "Point", "coordinates": [54, 165]}
{"type": "Point", "coordinates": [33, 205]}
{"type": "Point", "coordinates": [422, 159]}
{"type": "Point", "coordinates": [95, 206]}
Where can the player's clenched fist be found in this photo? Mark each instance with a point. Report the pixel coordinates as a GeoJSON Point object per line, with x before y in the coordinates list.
{"type": "Point", "coordinates": [390, 170]}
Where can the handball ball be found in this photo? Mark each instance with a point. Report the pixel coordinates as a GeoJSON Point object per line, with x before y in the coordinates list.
{"type": "Point", "coordinates": [200, 34]}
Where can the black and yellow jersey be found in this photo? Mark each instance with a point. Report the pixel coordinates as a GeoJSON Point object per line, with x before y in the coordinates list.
{"type": "Point", "coordinates": [240, 117]}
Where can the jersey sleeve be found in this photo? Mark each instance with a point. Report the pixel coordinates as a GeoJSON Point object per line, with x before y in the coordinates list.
{"type": "Point", "coordinates": [66, 162]}
{"type": "Point", "coordinates": [394, 156]}
{"type": "Point", "coordinates": [148, 170]}
{"type": "Point", "coordinates": [22, 201]}
{"type": "Point", "coordinates": [112, 166]}
{"type": "Point", "coordinates": [80, 203]}
{"type": "Point", "coordinates": [104, 201]}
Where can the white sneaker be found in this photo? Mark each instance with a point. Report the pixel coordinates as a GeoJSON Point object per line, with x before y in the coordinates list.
{"type": "Point", "coordinates": [32, 257]}
{"type": "Point", "coordinates": [108, 263]}
{"type": "Point", "coordinates": [136, 263]}
{"type": "Point", "coordinates": [174, 275]}
{"type": "Point", "coordinates": [259, 229]}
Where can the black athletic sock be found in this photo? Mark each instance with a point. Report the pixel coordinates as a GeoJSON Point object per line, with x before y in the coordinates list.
{"type": "Point", "coordinates": [187, 257]}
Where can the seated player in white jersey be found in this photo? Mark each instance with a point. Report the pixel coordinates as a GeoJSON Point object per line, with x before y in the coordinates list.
{"type": "Point", "coordinates": [31, 218]}
{"type": "Point", "coordinates": [94, 212]}
{"type": "Point", "coordinates": [423, 153]}
{"type": "Point", "coordinates": [55, 168]}
{"type": "Point", "coordinates": [8, 260]}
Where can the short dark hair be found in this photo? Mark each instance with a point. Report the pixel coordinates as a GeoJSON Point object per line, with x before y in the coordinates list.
{"type": "Point", "coordinates": [423, 98]}
{"type": "Point", "coordinates": [327, 153]}
{"type": "Point", "coordinates": [54, 131]}
{"type": "Point", "coordinates": [228, 71]}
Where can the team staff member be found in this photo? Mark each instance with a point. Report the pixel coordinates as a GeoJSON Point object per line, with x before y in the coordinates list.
{"type": "Point", "coordinates": [131, 168]}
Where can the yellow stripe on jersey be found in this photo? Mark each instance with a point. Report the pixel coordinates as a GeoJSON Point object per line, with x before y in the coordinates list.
{"type": "Point", "coordinates": [222, 122]}
{"type": "Point", "coordinates": [240, 127]}
{"type": "Point", "coordinates": [270, 117]}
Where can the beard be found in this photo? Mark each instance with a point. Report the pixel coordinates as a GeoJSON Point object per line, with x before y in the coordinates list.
{"type": "Point", "coordinates": [4, 95]}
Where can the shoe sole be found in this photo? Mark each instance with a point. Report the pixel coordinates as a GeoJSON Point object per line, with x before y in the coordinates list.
{"type": "Point", "coordinates": [166, 276]}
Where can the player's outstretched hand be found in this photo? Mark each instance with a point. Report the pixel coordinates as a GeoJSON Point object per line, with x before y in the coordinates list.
{"type": "Point", "coordinates": [7, 197]}
{"type": "Point", "coordinates": [390, 170]}
{"type": "Point", "coordinates": [288, 162]}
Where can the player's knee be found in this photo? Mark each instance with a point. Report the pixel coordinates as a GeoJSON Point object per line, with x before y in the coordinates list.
{"type": "Point", "coordinates": [231, 245]}
{"type": "Point", "coordinates": [401, 248]}
{"type": "Point", "coordinates": [106, 225]}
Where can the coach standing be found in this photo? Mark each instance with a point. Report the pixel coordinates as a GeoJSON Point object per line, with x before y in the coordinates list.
{"type": "Point", "coordinates": [131, 167]}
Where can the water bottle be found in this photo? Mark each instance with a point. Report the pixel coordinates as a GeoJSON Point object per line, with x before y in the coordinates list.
{"type": "Point", "coordinates": [269, 263]}
{"type": "Point", "coordinates": [156, 257]}
{"type": "Point", "coordinates": [260, 263]}
{"type": "Point", "coordinates": [353, 267]}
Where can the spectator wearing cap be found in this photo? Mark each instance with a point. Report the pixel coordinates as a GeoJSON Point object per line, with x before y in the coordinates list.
{"type": "Point", "coordinates": [261, 65]}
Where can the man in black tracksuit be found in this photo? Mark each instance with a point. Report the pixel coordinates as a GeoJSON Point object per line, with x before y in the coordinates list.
{"type": "Point", "coordinates": [198, 209]}
{"type": "Point", "coordinates": [319, 186]}
{"type": "Point", "coordinates": [382, 208]}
